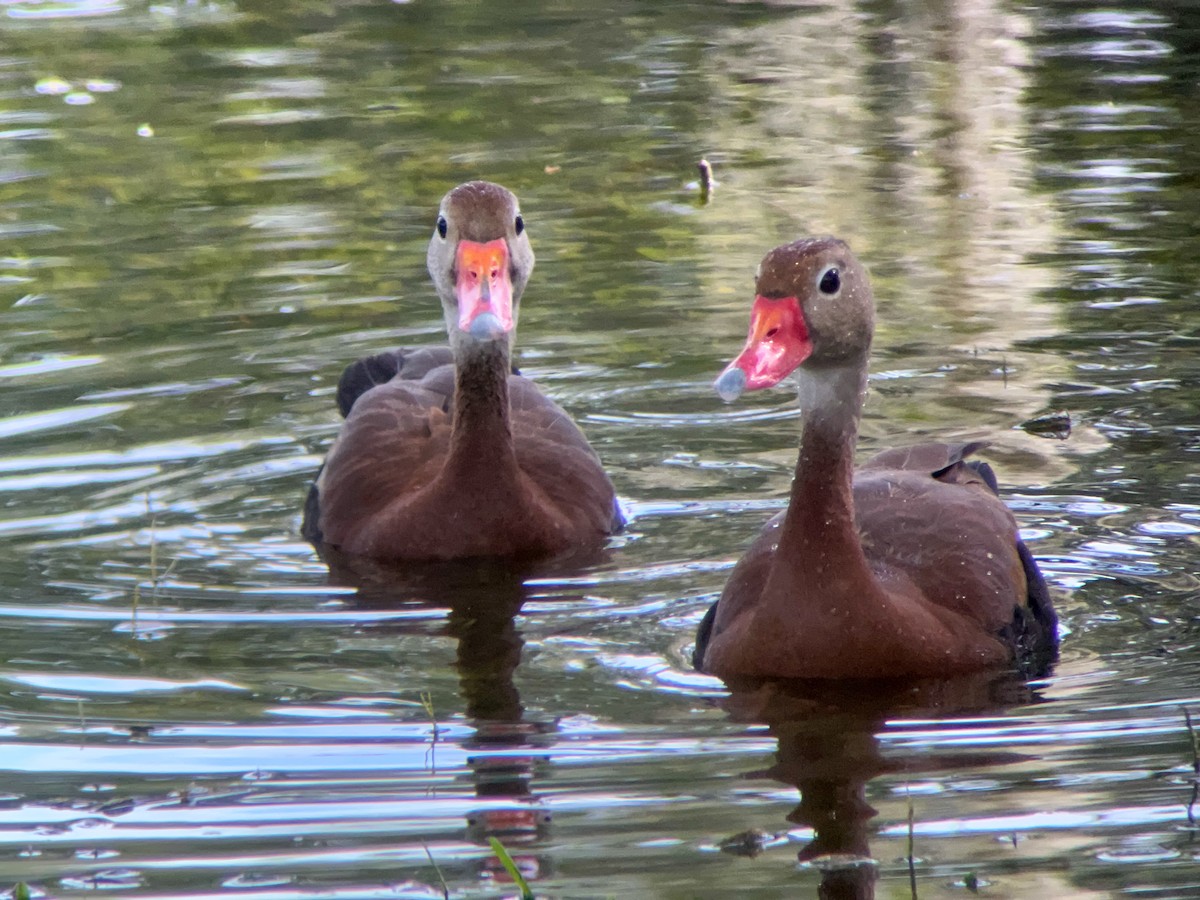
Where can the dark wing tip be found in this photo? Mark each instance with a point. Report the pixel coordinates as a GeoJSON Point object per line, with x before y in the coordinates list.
{"type": "Point", "coordinates": [985, 473]}
{"type": "Point", "coordinates": [703, 636]}
{"type": "Point", "coordinates": [1033, 633]}
{"type": "Point", "coordinates": [363, 374]}
{"type": "Point", "coordinates": [310, 527]}
{"type": "Point", "coordinates": [618, 517]}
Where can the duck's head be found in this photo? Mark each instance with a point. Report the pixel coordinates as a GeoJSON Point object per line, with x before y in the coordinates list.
{"type": "Point", "coordinates": [480, 259]}
{"type": "Point", "coordinates": [813, 308]}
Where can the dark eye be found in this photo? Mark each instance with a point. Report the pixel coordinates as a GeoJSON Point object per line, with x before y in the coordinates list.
{"type": "Point", "coordinates": [441, 226]}
{"type": "Point", "coordinates": [830, 281]}
{"type": "Point", "coordinates": [519, 225]}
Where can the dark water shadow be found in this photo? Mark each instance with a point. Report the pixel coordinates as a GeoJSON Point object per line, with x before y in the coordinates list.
{"type": "Point", "coordinates": [828, 748]}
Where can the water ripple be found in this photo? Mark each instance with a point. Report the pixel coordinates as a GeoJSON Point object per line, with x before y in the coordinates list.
{"type": "Point", "coordinates": [58, 418]}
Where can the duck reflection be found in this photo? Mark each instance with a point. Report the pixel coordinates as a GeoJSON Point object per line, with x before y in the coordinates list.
{"type": "Point", "coordinates": [509, 747]}
{"type": "Point", "coordinates": [828, 748]}
{"type": "Point", "coordinates": [506, 751]}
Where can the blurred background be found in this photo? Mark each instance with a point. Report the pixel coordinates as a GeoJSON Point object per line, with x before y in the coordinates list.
{"type": "Point", "coordinates": [207, 209]}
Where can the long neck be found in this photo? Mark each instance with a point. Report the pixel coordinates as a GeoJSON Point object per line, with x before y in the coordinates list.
{"type": "Point", "coordinates": [819, 543]}
{"type": "Point", "coordinates": [481, 437]}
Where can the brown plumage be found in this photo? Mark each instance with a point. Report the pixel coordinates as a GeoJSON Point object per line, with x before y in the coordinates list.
{"type": "Point", "coordinates": [909, 567]}
{"type": "Point", "coordinates": [446, 452]}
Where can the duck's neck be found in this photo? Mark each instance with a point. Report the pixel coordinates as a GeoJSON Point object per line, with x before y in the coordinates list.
{"type": "Point", "coordinates": [819, 544]}
{"type": "Point", "coordinates": [481, 447]}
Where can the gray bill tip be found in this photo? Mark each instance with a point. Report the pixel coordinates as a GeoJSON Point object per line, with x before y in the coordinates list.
{"type": "Point", "coordinates": [486, 327]}
{"type": "Point", "coordinates": [730, 384]}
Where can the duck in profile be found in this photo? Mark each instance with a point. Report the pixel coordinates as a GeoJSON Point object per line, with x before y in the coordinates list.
{"type": "Point", "coordinates": [445, 452]}
{"type": "Point", "coordinates": [909, 567]}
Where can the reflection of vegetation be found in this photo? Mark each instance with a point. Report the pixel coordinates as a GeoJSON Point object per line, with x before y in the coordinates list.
{"type": "Point", "coordinates": [1195, 740]}
{"type": "Point", "coordinates": [1115, 96]}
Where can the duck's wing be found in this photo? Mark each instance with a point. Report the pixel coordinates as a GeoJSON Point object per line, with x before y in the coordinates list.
{"type": "Point", "coordinates": [397, 430]}
{"type": "Point", "coordinates": [935, 517]}
{"type": "Point", "coordinates": [371, 371]}
{"type": "Point", "coordinates": [743, 589]}
{"type": "Point", "coordinates": [935, 459]}
{"type": "Point", "coordinates": [555, 454]}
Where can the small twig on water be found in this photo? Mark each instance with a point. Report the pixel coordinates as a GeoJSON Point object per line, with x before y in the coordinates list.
{"type": "Point", "coordinates": [706, 179]}
{"type": "Point", "coordinates": [437, 869]}
{"type": "Point", "coordinates": [427, 705]}
{"type": "Point", "coordinates": [156, 577]}
{"type": "Point", "coordinates": [912, 865]}
{"type": "Point", "coordinates": [153, 545]}
{"type": "Point", "coordinates": [1191, 808]}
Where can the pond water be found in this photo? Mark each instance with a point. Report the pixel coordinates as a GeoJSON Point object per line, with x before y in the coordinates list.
{"type": "Point", "coordinates": [208, 208]}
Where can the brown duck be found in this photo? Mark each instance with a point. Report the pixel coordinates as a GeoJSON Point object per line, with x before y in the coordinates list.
{"type": "Point", "coordinates": [910, 566]}
{"type": "Point", "coordinates": [446, 452]}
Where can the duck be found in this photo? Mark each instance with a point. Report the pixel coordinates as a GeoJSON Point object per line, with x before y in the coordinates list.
{"type": "Point", "coordinates": [909, 567]}
{"type": "Point", "coordinates": [448, 452]}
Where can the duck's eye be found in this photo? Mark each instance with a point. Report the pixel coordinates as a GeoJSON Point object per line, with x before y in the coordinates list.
{"type": "Point", "coordinates": [830, 281]}
{"type": "Point", "coordinates": [519, 225]}
{"type": "Point", "coordinates": [441, 226]}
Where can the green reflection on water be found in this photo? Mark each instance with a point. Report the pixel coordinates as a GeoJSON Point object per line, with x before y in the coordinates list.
{"type": "Point", "coordinates": [1021, 182]}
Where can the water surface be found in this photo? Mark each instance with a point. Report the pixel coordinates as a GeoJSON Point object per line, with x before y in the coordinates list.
{"type": "Point", "coordinates": [208, 209]}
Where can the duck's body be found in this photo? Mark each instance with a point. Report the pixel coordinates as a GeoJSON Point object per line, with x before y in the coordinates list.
{"type": "Point", "coordinates": [446, 453]}
{"type": "Point", "coordinates": [909, 567]}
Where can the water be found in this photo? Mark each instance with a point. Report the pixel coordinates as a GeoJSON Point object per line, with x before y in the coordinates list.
{"type": "Point", "coordinates": [209, 208]}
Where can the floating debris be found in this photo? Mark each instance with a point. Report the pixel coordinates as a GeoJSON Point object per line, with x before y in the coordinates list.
{"type": "Point", "coordinates": [1055, 425]}
{"type": "Point", "coordinates": [706, 179]}
{"type": "Point", "coordinates": [752, 842]}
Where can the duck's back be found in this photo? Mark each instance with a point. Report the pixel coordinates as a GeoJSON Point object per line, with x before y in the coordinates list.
{"type": "Point", "coordinates": [937, 517]}
{"type": "Point", "coordinates": [399, 409]}
{"type": "Point", "coordinates": [953, 539]}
